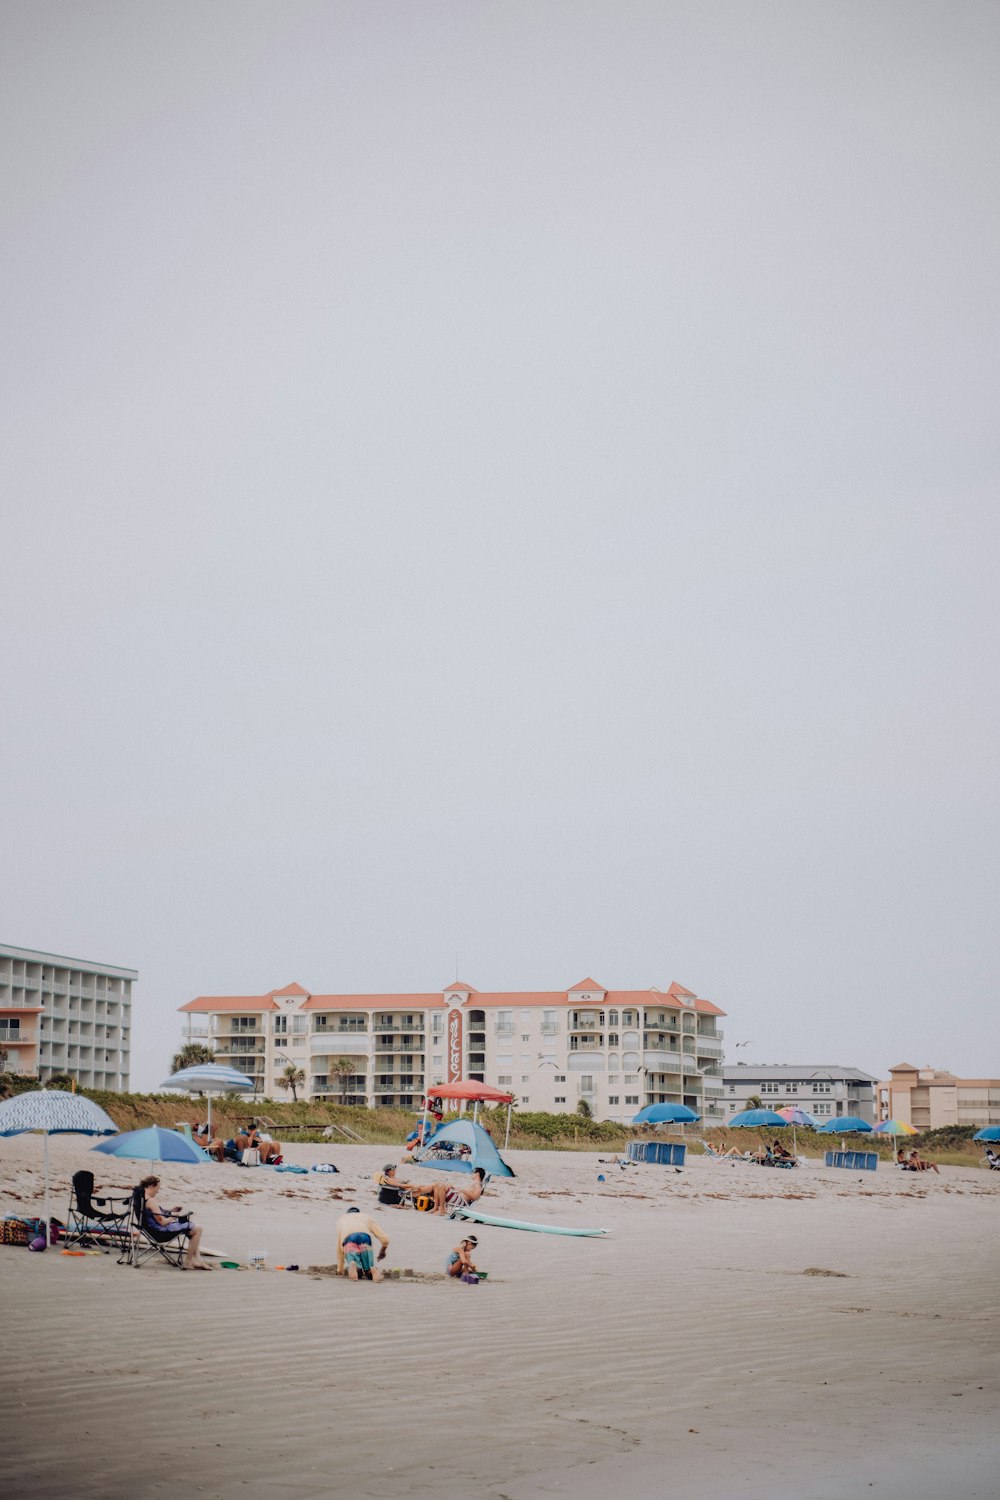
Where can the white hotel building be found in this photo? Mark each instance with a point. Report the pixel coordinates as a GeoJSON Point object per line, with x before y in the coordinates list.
{"type": "Point", "coordinates": [66, 1015]}
{"type": "Point", "coordinates": [616, 1049]}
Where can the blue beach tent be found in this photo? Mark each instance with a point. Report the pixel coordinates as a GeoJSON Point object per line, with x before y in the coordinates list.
{"type": "Point", "coordinates": [482, 1152]}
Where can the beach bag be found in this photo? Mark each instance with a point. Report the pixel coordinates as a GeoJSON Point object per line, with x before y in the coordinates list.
{"type": "Point", "coordinates": [423, 1203]}
{"type": "Point", "coordinates": [21, 1231]}
{"type": "Point", "coordinates": [250, 1157]}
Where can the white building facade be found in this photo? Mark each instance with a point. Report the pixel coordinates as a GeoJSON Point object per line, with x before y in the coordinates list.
{"type": "Point", "coordinates": [66, 1015]}
{"type": "Point", "coordinates": [618, 1050]}
{"type": "Point", "coordinates": [825, 1092]}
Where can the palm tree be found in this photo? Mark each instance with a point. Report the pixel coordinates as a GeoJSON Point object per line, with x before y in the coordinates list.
{"type": "Point", "coordinates": [755, 1102]}
{"type": "Point", "coordinates": [342, 1067]}
{"type": "Point", "coordinates": [291, 1078]}
{"type": "Point", "coordinates": [190, 1055]}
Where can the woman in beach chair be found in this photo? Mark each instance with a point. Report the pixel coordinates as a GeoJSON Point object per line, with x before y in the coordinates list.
{"type": "Point", "coordinates": [992, 1160]}
{"type": "Point", "coordinates": [393, 1192]}
{"type": "Point", "coordinates": [722, 1153]}
{"type": "Point", "coordinates": [451, 1195]}
{"type": "Point", "coordinates": [155, 1230]}
{"type": "Point", "coordinates": [918, 1164]}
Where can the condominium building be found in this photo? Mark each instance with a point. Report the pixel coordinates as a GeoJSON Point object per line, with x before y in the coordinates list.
{"type": "Point", "coordinates": [617, 1050]}
{"type": "Point", "coordinates": [928, 1099]}
{"type": "Point", "coordinates": [823, 1091]}
{"type": "Point", "coordinates": [66, 1015]}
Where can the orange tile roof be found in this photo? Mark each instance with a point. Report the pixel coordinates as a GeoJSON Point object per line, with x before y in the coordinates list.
{"type": "Point", "coordinates": [458, 985]}
{"type": "Point", "coordinates": [372, 1002]}
{"type": "Point", "coordinates": [671, 999]}
{"type": "Point", "coordinates": [588, 984]}
{"type": "Point", "coordinates": [231, 1002]}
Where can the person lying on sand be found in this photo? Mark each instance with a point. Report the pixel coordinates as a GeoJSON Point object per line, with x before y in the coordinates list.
{"type": "Point", "coordinates": [919, 1165]}
{"type": "Point", "coordinates": [355, 1231]}
{"type": "Point", "coordinates": [460, 1259]}
{"type": "Point", "coordinates": [454, 1195]}
{"type": "Point", "coordinates": [721, 1150]}
{"type": "Point", "coordinates": [167, 1220]}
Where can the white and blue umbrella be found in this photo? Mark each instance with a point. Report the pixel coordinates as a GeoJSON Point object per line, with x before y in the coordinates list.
{"type": "Point", "coordinates": [209, 1079]}
{"type": "Point", "coordinates": [154, 1143]}
{"type": "Point", "coordinates": [990, 1133]}
{"type": "Point", "coordinates": [53, 1112]}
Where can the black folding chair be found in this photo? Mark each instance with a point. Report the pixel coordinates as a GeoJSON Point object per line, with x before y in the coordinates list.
{"type": "Point", "coordinates": [95, 1221]}
{"type": "Point", "coordinates": [147, 1239]}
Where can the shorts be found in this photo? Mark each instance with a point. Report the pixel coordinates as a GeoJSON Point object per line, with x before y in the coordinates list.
{"type": "Point", "coordinates": [358, 1252]}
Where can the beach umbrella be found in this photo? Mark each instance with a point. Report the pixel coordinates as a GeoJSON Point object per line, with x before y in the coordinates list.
{"type": "Point", "coordinates": [665, 1114]}
{"type": "Point", "coordinates": [209, 1079]}
{"type": "Point", "coordinates": [793, 1116]}
{"type": "Point", "coordinates": [895, 1127]}
{"type": "Point", "coordinates": [991, 1133]}
{"type": "Point", "coordinates": [154, 1143]}
{"type": "Point", "coordinates": [846, 1125]}
{"type": "Point", "coordinates": [53, 1112]}
{"type": "Point", "coordinates": [747, 1118]}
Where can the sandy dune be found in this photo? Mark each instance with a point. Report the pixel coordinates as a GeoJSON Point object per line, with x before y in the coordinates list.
{"type": "Point", "coordinates": [695, 1351]}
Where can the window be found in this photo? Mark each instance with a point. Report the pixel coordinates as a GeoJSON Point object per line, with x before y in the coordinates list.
{"type": "Point", "coordinates": [586, 1083]}
{"type": "Point", "coordinates": [560, 1078]}
{"type": "Point", "coordinates": [631, 1078]}
{"type": "Point", "coordinates": [823, 1109]}
{"type": "Point", "coordinates": [770, 1088]}
{"type": "Point", "coordinates": [525, 1038]}
{"type": "Point", "coordinates": [631, 1098]}
{"type": "Point", "coordinates": [612, 1039]}
{"type": "Point", "coordinates": [560, 1099]}
{"type": "Point", "coordinates": [628, 1017]}
{"type": "Point", "coordinates": [281, 1025]}
{"type": "Point", "coordinates": [732, 1088]}
{"type": "Point", "coordinates": [525, 1078]}
{"type": "Point", "coordinates": [504, 1078]}
{"type": "Point", "coordinates": [822, 1088]}
{"type": "Point", "coordinates": [612, 1018]}
{"type": "Point", "coordinates": [612, 1098]}
{"type": "Point", "coordinates": [437, 1061]}
{"type": "Point", "coordinates": [612, 1077]}
{"type": "Point", "coordinates": [525, 1099]}
{"type": "Point", "coordinates": [733, 1106]}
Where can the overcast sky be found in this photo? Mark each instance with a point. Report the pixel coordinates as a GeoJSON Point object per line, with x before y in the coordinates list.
{"type": "Point", "coordinates": [517, 479]}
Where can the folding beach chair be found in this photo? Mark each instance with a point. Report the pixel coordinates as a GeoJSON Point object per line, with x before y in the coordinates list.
{"type": "Point", "coordinates": [146, 1238]}
{"type": "Point", "coordinates": [102, 1222]}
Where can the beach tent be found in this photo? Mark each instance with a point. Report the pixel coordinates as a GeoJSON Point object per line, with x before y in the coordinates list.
{"type": "Point", "coordinates": [482, 1152]}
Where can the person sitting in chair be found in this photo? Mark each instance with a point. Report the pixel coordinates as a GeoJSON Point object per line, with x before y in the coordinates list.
{"type": "Point", "coordinates": [779, 1153]}
{"type": "Point", "coordinates": [919, 1165]}
{"type": "Point", "coordinates": [204, 1138]}
{"type": "Point", "coordinates": [395, 1193]}
{"type": "Point", "coordinates": [459, 1195]}
{"type": "Point", "coordinates": [166, 1224]}
{"type": "Point", "coordinates": [250, 1139]}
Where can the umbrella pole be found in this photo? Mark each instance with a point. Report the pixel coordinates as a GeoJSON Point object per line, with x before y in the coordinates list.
{"type": "Point", "coordinates": [46, 1218]}
{"type": "Point", "coordinates": [210, 1117]}
{"type": "Point", "coordinates": [506, 1138]}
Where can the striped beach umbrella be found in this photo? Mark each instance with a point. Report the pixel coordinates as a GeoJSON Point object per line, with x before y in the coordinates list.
{"type": "Point", "coordinates": [53, 1112]}
{"type": "Point", "coordinates": [209, 1079]}
{"type": "Point", "coordinates": [793, 1116]}
{"type": "Point", "coordinates": [896, 1127]}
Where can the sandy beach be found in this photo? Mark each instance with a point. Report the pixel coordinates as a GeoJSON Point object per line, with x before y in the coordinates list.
{"type": "Point", "coordinates": [740, 1332]}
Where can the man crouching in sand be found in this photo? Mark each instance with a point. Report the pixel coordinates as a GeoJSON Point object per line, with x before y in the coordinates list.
{"type": "Point", "coordinates": [354, 1246]}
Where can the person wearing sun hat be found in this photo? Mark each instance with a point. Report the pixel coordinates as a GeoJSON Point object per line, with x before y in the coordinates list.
{"type": "Point", "coordinates": [459, 1262]}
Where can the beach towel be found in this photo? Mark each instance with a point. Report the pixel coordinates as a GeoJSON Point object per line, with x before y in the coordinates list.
{"type": "Point", "coordinates": [303, 1170]}
{"type": "Point", "coordinates": [324, 1166]}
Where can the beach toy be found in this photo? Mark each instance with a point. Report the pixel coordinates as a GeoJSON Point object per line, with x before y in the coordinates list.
{"type": "Point", "coordinates": [38, 1243]}
{"type": "Point", "coordinates": [230, 1265]}
{"type": "Point", "coordinates": [257, 1260]}
{"type": "Point", "coordinates": [482, 1275]}
{"type": "Point", "coordinates": [600, 1176]}
{"type": "Point", "coordinates": [72, 1252]}
{"type": "Point", "coordinates": [470, 1279]}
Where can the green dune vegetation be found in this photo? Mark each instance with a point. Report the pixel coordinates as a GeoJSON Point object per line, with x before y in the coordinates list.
{"type": "Point", "coordinates": [306, 1119]}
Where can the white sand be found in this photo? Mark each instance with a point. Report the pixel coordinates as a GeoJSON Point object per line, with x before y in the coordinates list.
{"type": "Point", "coordinates": [687, 1354]}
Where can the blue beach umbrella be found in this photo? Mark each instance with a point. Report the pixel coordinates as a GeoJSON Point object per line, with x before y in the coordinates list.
{"type": "Point", "coordinates": [154, 1143]}
{"type": "Point", "coordinates": [750, 1117]}
{"type": "Point", "coordinates": [53, 1112]}
{"type": "Point", "coordinates": [991, 1133]}
{"type": "Point", "coordinates": [665, 1114]}
{"type": "Point", "coordinates": [848, 1125]}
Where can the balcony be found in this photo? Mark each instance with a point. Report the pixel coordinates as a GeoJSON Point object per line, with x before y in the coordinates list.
{"type": "Point", "coordinates": [384, 1028]}
{"type": "Point", "coordinates": [335, 1043]}
{"type": "Point", "coordinates": [708, 1049]}
{"type": "Point", "coordinates": [320, 1024]}
{"type": "Point", "coordinates": [504, 1028]}
{"type": "Point", "coordinates": [550, 1028]}
{"type": "Point", "coordinates": [662, 1060]}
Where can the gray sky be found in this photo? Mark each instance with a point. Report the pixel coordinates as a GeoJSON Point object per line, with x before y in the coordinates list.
{"type": "Point", "coordinates": [516, 478]}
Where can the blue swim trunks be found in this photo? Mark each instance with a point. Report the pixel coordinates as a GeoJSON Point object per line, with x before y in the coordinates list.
{"type": "Point", "coordinates": [358, 1251]}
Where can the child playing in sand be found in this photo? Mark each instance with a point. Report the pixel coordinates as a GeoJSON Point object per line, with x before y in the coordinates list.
{"type": "Point", "coordinates": [460, 1259]}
